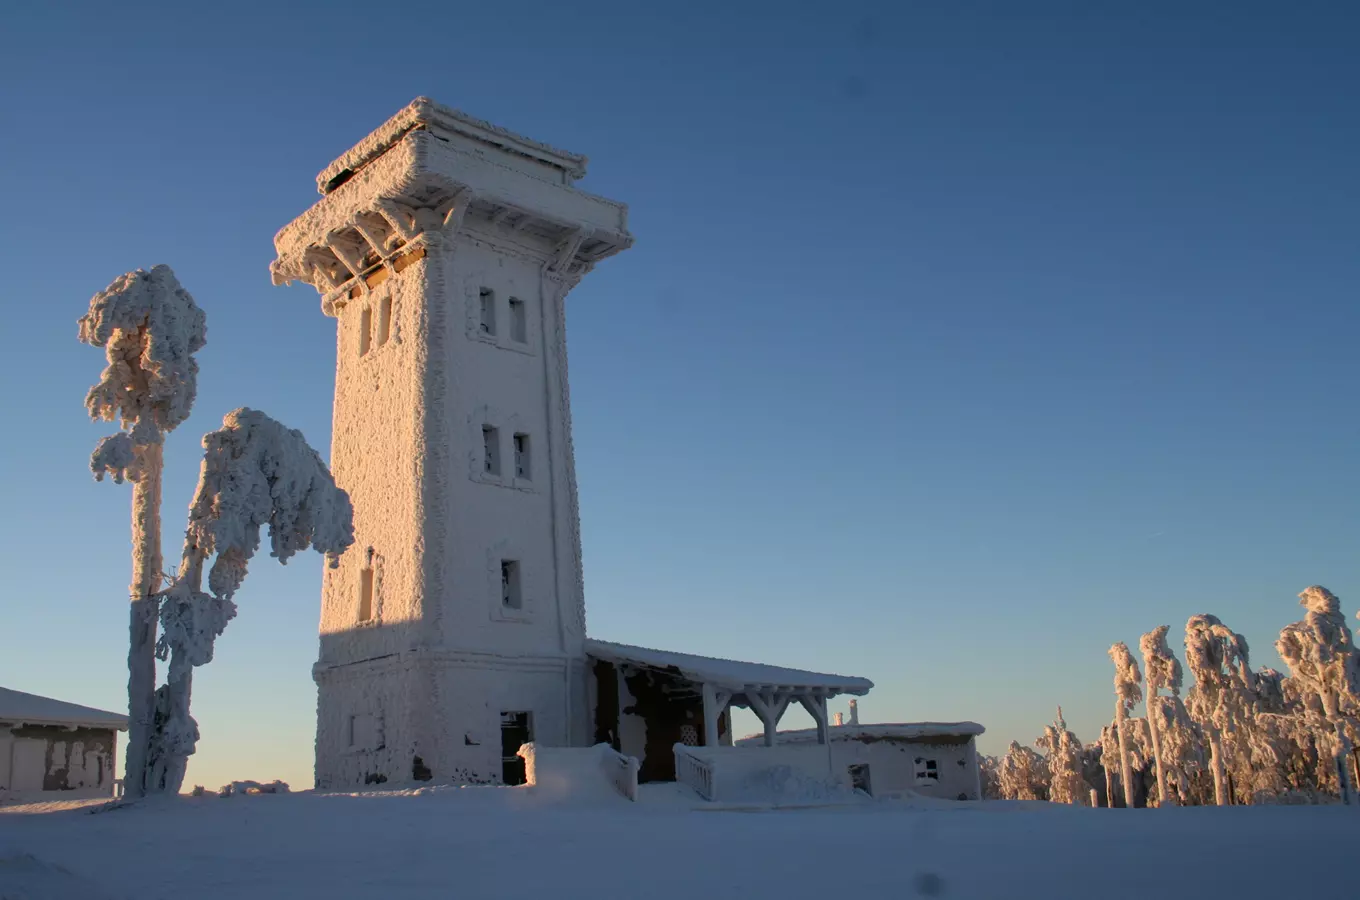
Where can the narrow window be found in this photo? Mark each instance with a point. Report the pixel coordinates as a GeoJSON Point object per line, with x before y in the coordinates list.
{"type": "Point", "coordinates": [488, 311]}
{"type": "Point", "coordinates": [384, 320]}
{"type": "Point", "coordinates": [510, 593]}
{"type": "Point", "coordinates": [366, 594]}
{"type": "Point", "coordinates": [522, 456]}
{"type": "Point", "coordinates": [518, 323]}
{"type": "Point", "coordinates": [365, 326]}
{"type": "Point", "coordinates": [353, 730]}
{"type": "Point", "coordinates": [491, 450]}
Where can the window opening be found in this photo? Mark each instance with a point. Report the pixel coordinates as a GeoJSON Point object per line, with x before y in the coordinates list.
{"type": "Point", "coordinates": [384, 319]}
{"type": "Point", "coordinates": [366, 593]}
{"type": "Point", "coordinates": [488, 298]}
{"type": "Point", "coordinates": [522, 456]}
{"type": "Point", "coordinates": [510, 588]}
{"type": "Point", "coordinates": [491, 450]}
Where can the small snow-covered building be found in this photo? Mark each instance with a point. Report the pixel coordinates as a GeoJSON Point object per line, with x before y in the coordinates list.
{"type": "Point", "coordinates": [454, 631]}
{"type": "Point", "coordinates": [932, 759]}
{"type": "Point", "coordinates": [49, 745]}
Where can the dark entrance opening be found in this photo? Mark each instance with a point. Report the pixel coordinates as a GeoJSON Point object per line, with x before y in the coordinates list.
{"type": "Point", "coordinates": [607, 704]}
{"type": "Point", "coordinates": [516, 729]}
{"type": "Point", "coordinates": [668, 703]}
{"type": "Point", "coordinates": [859, 778]}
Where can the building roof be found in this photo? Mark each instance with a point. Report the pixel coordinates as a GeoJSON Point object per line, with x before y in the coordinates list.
{"type": "Point", "coordinates": [726, 674]}
{"type": "Point", "coordinates": [423, 112]}
{"type": "Point", "coordinates": [905, 731]}
{"type": "Point", "coordinates": [30, 709]}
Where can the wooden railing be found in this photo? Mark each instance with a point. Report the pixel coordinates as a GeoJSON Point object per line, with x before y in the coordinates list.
{"type": "Point", "coordinates": [695, 772]}
{"type": "Point", "coordinates": [622, 771]}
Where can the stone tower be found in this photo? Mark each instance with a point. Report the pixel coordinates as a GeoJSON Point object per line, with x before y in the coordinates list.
{"type": "Point", "coordinates": [444, 247]}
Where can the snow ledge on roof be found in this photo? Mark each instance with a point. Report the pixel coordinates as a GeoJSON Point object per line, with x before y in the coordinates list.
{"type": "Point", "coordinates": [901, 730]}
{"type": "Point", "coordinates": [423, 111]}
{"type": "Point", "coordinates": [18, 707]}
{"type": "Point", "coordinates": [727, 674]}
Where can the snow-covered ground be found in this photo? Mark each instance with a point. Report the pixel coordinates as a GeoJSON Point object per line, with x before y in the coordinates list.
{"type": "Point", "coordinates": [518, 842]}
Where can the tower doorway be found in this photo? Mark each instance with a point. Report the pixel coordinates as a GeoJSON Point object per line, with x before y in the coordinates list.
{"type": "Point", "coordinates": [516, 730]}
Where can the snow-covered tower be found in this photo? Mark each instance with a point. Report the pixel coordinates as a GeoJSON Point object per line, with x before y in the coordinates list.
{"type": "Point", "coordinates": [445, 246]}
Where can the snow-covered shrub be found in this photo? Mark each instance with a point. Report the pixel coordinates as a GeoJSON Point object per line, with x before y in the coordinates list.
{"type": "Point", "coordinates": [1066, 784]}
{"type": "Point", "coordinates": [1022, 774]}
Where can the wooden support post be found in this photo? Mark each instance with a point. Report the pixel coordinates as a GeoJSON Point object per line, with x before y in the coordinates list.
{"type": "Point", "coordinates": [815, 704]}
{"type": "Point", "coordinates": [715, 701]}
{"type": "Point", "coordinates": [769, 707]}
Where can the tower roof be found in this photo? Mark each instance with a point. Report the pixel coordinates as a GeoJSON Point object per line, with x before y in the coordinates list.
{"type": "Point", "coordinates": [430, 171]}
{"type": "Point", "coordinates": [423, 113]}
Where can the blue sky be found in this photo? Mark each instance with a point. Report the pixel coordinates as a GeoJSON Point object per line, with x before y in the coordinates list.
{"type": "Point", "coordinates": [958, 341]}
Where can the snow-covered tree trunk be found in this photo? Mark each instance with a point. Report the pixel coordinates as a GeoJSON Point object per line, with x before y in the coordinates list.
{"type": "Point", "coordinates": [1163, 797]}
{"type": "Point", "coordinates": [1125, 760]}
{"type": "Point", "coordinates": [1216, 766]}
{"type": "Point", "coordinates": [173, 764]}
{"type": "Point", "coordinates": [1127, 693]}
{"type": "Point", "coordinates": [146, 582]}
{"type": "Point", "coordinates": [1341, 746]}
{"type": "Point", "coordinates": [149, 328]}
{"type": "Point", "coordinates": [1162, 670]}
{"type": "Point", "coordinates": [1342, 753]}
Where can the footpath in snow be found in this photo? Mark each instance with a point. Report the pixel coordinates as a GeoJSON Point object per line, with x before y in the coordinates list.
{"type": "Point", "coordinates": [518, 842]}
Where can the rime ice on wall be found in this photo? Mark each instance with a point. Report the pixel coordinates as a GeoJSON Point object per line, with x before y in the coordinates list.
{"type": "Point", "coordinates": [445, 248]}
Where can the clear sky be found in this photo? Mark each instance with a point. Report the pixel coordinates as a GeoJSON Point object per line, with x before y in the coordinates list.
{"type": "Point", "coordinates": [958, 342]}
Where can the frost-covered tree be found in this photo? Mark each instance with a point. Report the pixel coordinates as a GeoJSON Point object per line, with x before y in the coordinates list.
{"type": "Point", "coordinates": [1064, 752]}
{"type": "Point", "coordinates": [1180, 745]}
{"type": "Point", "coordinates": [1110, 760]}
{"type": "Point", "coordinates": [1093, 773]}
{"type": "Point", "coordinates": [255, 472]}
{"type": "Point", "coordinates": [1163, 671]}
{"type": "Point", "coordinates": [1223, 700]}
{"type": "Point", "coordinates": [1127, 693]}
{"type": "Point", "coordinates": [149, 328]}
{"type": "Point", "coordinates": [1022, 774]}
{"type": "Point", "coordinates": [1320, 652]}
{"type": "Point", "coordinates": [991, 784]}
